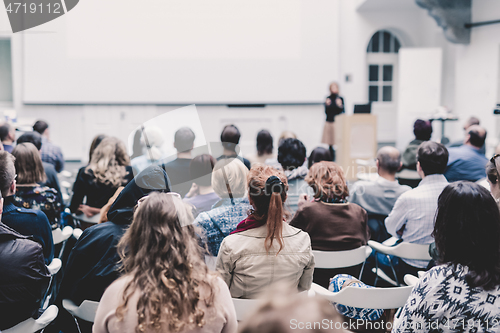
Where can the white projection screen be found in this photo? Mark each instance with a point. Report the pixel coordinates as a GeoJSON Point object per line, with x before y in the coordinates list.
{"type": "Point", "coordinates": [184, 51]}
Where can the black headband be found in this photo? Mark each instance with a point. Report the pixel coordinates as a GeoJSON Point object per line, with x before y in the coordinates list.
{"type": "Point", "coordinates": [273, 184]}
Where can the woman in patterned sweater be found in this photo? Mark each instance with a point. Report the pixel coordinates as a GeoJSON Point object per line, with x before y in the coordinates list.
{"type": "Point", "coordinates": [462, 294]}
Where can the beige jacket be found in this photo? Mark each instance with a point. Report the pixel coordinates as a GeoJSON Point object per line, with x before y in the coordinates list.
{"type": "Point", "coordinates": [248, 270]}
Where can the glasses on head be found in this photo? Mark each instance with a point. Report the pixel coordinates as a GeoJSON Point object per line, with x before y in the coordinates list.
{"type": "Point", "coordinates": [493, 159]}
{"type": "Point", "coordinates": [174, 194]}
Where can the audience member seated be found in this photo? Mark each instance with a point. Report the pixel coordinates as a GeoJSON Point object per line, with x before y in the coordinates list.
{"type": "Point", "coordinates": [29, 194]}
{"type": "Point", "coordinates": [137, 144]}
{"type": "Point", "coordinates": [93, 145]}
{"type": "Point", "coordinates": [201, 196]}
{"type": "Point", "coordinates": [27, 222]}
{"type": "Point", "coordinates": [291, 156]}
{"type": "Point", "coordinates": [50, 152]}
{"type": "Point", "coordinates": [178, 169]}
{"type": "Point", "coordinates": [24, 277]}
{"type": "Point", "coordinates": [412, 218]}
{"type": "Point", "coordinates": [109, 169]}
{"type": "Point", "coordinates": [461, 293]}
{"type": "Point", "coordinates": [285, 313]}
{"type": "Point", "coordinates": [470, 122]}
{"type": "Point", "coordinates": [93, 262]}
{"type": "Point", "coordinates": [317, 155]}
{"type": "Point", "coordinates": [51, 180]}
{"type": "Point", "coordinates": [7, 136]}
{"type": "Point", "coordinates": [423, 132]}
{"type": "Point", "coordinates": [163, 269]}
{"type": "Point", "coordinates": [152, 142]}
{"type": "Point", "coordinates": [378, 197]}
{"type": "Point", "coordinates": [264, 148]}
{"type": "Point", "coordinates": [228, 180]}
{"type": "Point", "coordinates": [332, 223]}
{"type": "Point", "coordinates": [264, 249]}
{"type": "Point", "coordinates": [274, 161]}
{"type": "Point", "coordinates": [230, 138]}
{"type": "Point", "coordinates": [493, 177]}
{"type": "Point", "coordinates": [467, 162]}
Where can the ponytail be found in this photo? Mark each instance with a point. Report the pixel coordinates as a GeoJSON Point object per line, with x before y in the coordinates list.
{"type": "Point", "coordinates": [274, 222]}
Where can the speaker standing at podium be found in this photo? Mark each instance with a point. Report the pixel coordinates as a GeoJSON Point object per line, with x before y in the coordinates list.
{"type": "Point", "coordinates": [334, 105]}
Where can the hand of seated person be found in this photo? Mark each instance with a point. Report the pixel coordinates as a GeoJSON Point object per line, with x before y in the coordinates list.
{"type": "Point", "coordinates": [193, 191]}
{"type": "Point", "coordinates": [303, 198]}
{"type": "Point", "coordinates": [88, 211]}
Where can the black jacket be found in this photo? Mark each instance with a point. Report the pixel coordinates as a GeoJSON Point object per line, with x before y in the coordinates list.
{"type": "Point", "coordinates": [333, 109]}
{"type": "Point", "coordinates": [30, 222]}
{"type": "Point", "coordinates": [23, 278]}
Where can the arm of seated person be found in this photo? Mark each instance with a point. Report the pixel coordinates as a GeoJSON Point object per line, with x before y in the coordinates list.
{"type": "Point", "coordinates": [89, 211]}
{"type": "Point", "coordinates": [397, 218]}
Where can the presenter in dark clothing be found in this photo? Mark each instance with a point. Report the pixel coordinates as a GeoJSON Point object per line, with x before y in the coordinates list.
{"type": "Point", "coordinates": [334, 105]}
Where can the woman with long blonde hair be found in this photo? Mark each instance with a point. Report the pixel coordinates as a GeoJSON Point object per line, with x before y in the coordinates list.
{"type": "Point", "coordinates": [166, 286]}
{"type": "Point", "coordinates": [109, 168]}
{"type": "Point", "coordinates": [264, 249]}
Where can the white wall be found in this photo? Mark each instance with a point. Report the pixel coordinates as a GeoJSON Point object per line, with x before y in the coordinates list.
{"type": "Point", "coordinates": [477, 72]}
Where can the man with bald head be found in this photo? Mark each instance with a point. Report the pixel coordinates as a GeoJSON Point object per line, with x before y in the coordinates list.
{"type": "Point", "coordinates": [378, 197]}
{"type": "Point", "coordinates": [467, 162]}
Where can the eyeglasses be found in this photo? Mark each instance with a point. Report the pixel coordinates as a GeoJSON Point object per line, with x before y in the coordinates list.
{"type": "Point", "coordinates": [174, 194]}
{"type": "Point", "coordinates": [493, 159]}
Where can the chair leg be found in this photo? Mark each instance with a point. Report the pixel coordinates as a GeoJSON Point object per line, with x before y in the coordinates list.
{"type": "Point", "coordinates": [376, 269]}
{"type": "Point", "coordinates": [77, 326]}
{"type": "Point", "coordinates": [361, 272]}
{"type": "Point", "coordinates": [393, 271]}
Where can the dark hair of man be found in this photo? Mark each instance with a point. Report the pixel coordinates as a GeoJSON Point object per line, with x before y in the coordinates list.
{"type": "Point", "coordinates": [476, 139]}
{"type": "Point", "coordinates": [201, 168]}
{"type": "Point", "coordinates": [467, 232]}
{"type": "Point", "coordinates": [7, 171]}
{"type": "Point", "coordinates": [422, 130]}
{"type": "Point", "coordinates": [4, 131]}
{"type": "Point", "coordinates": [291, 154]}
{"type": "Point", "coordinates": [230, 137]}
{"type": "Point", "coordinates": [433, 157]}
{"type": "Point", "coordinates": [40, 126]}
{"type": "Point", "coordinates": [184, 139]}
{"type": "Point", "coordinates": [264, 143]}
{"type": "Point", "coordinates": [32, 137]}
{"type": "Point", "coordinates": [317, 155]}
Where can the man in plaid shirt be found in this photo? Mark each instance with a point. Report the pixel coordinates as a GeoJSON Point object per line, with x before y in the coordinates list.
{"type": "Point", "coordinates": [50, 153]}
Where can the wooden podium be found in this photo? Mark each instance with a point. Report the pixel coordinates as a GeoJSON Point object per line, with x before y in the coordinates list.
{"type": "Point", "coordinates": [355, 138]}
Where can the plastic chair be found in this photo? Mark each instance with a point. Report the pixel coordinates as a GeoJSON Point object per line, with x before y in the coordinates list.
{"type": "Point", "coordinates": [31, 325]}
{"type": "Point", "coordinates": [341, 259]}
{"type": "Point", "coordinates": [402, 250]}
{"type": "Point", "coordinates": [85, 311]}
{"type": "Point", "coordinates": [211, 262]}
{"type": "Point", "coordinates": [372, 298]}
{"type": "Point", "coordinates": [245, 306]}
{"type": "Point", "coordinates": [54, 267]}
{"type": "Point", "coordinates": [77, 232]}
{"type": "Point", "coordinates": [411, 280]}
{"type": "Point", "coordinates": [61, 236]}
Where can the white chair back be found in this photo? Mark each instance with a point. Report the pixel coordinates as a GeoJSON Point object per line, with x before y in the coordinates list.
{"type": "Point", "coordinates": [85, 311]}
{"type": "Point", "coordinates": [245, 306]}
{"type": "Point", "coordinates": [34, 325]}
{"type": "Point", "coordinates": [77, 233]}
{"type": "Point", "coordinates": [403, 250]}
{"type": "Point", "coordinates": [60, 236]}
{"type": "Point", "coordinates": [211, 262]}
{"type": "Point", "coordinates": [340, 259]}
{"type": "Point", "coordinates": [411, 280]}
{"type": "Point", "coordinates": [371, 298]}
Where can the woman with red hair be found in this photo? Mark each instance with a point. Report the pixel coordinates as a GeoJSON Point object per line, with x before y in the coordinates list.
{"type": "Point", "coordinates": [264, 249]}
{"type": "Point", "coordinates": [333, 223]}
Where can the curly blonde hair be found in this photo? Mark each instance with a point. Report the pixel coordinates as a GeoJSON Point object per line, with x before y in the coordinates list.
{"type": "Point", "coordinates": [327, 180]}
{"type": "Point", "coordinates": [108, 162]}
{"type": "Point", "coordinates": [164, 259]}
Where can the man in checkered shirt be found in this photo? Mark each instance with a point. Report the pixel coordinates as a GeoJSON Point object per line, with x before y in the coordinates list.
{"type": "Point", "coordinates": [50, 153]}
{"type": "Point", "coordinates": [412, 218]}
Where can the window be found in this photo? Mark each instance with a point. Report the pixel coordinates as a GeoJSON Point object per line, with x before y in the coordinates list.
{"type": "Point", "coordinates": [382, 52]}
{"type": "Point", "coordinates": [5, 71]}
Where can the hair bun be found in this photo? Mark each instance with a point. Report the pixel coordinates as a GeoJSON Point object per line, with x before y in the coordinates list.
{"type": "Point", "coordinates": [273, 185]}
